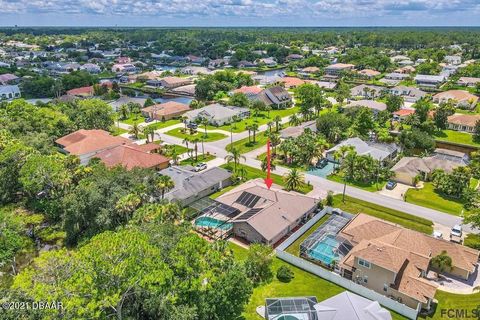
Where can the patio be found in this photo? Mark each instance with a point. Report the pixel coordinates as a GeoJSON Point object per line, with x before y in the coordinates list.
{"type": "Point", "coordinates": [453, 284]}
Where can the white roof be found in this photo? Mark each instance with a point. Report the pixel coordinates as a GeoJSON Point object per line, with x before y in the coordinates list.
{"type": "Point", "coordinates": [348, 305]}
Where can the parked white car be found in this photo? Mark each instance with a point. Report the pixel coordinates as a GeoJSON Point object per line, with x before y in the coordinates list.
{"type": "Point", "coordinates": [200, 166]}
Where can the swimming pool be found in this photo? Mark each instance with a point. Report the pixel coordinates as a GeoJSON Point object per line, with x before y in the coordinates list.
{"type": "Point", "coordinates": [324, 172]}
{"type": "Point", "coordinates": [213, 223]}
{"type": "Point", "coordinates": [323, 250]}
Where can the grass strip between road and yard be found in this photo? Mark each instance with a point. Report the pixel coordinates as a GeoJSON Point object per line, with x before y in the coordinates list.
{"type": "Point", "coordinates": [372, 187]}
{"type": "Point", "coordinates": [254, 173]}
{"type": "Point", "coordinates": [355, 206]}
{"type": "Point", "coordinates": [211, 136]}
{"type": "Point", "coordinates": [428, 197]}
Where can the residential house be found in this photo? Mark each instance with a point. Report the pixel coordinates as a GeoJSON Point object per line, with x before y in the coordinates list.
{"type": "Point", "coordinates": [91, 68]}
{"type": "Point", "coordinates": [134, 156]}
{"type": "Point", "coordinates": [82, 92]}
{"type": "Point", "coordinates": [463, 122]}
{"type": "Point", "coordinates": [366, 91]}
{"type": "Point", "coordinates": [165, 111]}
{"type": "Point", "coordinates": [218, 114]}
{"type": "Point", "coordinates": [266, 215]}
{"type": "Point", "coordinates": [249, 91]}
{"type": "Point", "coordinates": [295, 131]}
{"type": "Point", "coordinates": [195, 60]}
{"type": "Point", "coordinates": [408, 168]}
{"type": "Point", "coordinates": [9, 92]}
{"type": "Point", "coordinates": [269, 62]}
{"type": "Point", "coordinates": [406, 69]}
{"type": "Point", "coordinates": [373, 105]}
{"type": "Point", "coordinates": [188, 90]}
{"type": "Point", "coordinates": [174, 82]}
{"type": "Point", "coordinates": [379, 151]}
{"type": "Point", "coordinates": [87, 143]}
{"type": "Point", "coordinates": [455, 60]}
{"type": "Point", "coordinates": [124, 67]}
{"type": "Point", "coordinates": [395, 261]}
{"type": "Point", "coordinates": [425, 80]}
{"type": "Point", "coordinates": [394, 78]}
{"type": "Point", "coordinates": [409, 94]}
{"type": "Point", "coordinates": [402, 114]}
{"type": "Point", "coordinates": [246, 64]}
{"type": "Point", "coordinates": [276, 97]}
{"type": "Point", "coordinates": [368, 73]}
{"type": "Point", "coordinates": [327, 85]}
{"type": "Point", "coordinates": [266, 80]}
{"type": "Point", "coordinates": [191, 186]}
{"type": "Point", "coordinates": [8, 78]}
{"type": "Point", "coordinates": [468, 81]}
{"type": "Point", "coordinates": [310, 70]}
{"type": "Point", "coordinates": [125, 100]}
{"type": "Point", "coordinates": [291, 82]}
{"type": "Point", "coordinates": [195, 70]}
{"type": "Point", "coordinates": [348, 305]}
{"type": "Point", "coordinates": [460, 98]}
{"type": "Point", "coordinates": [337, 69]}
{"type": "Point", "coordinates": [294, 57]}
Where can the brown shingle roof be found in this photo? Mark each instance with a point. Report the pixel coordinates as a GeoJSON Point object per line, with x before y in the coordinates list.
{"type": "Point", "coordinates": [167, 108]}
{"type": "Point", "coordinates": [464, 119]}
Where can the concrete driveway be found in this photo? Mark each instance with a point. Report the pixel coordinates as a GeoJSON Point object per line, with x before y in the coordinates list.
{"type": "Point", "coordinates": [397, 193]}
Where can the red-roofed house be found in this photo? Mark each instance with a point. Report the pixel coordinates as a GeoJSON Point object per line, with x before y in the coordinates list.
{"type": "Point", "coordinates": [249, 91]}
{"type": "Point", "coordinates": [132, 156]}
{"type": "Point", "coordinates": [402, 114]}
{"type": "Point", "coordinates": [292, 82]}
{"type": "Point", "coordinates": [87, 143]}
{"type": "Point", "coordinates": [81, 92]}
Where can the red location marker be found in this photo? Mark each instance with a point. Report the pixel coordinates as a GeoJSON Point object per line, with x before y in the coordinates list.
{"type": "Point", "coordinates": [268, 180]}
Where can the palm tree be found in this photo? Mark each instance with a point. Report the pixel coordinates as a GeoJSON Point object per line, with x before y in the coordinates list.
{"type": "Point", "coordinates": [320, 146]}
{"type": "Point", "coordinates": [294, 120]}
{"type": "Point", "coordinates": [149, 131]}
{"type": "Point", "coordinates": [293, 180]}
{"type": "Point", "coordinates": [342, 153]}
{"type": "Point", "coordinates": [442, 262]}
{"type": "Point", "coordinates": [164, 183]}
{"type": "Point", "coordinates": [127, 205]}
{"type": "Point", "coordinates": [135, 130]}
{"type": "Point", "coordinates": [254, 128]}
{"type": "Point", "coordinates": [274, 142]}
{"type": "Point", "coordinates": [124, 111]}
{"type": "Point", "coordinates": [195, 142]}
{"type": "Point", "coordinates": [234, 156]}
{"type": "Point", "coordinates": [269, 125]}
{"type": "Point", "coordinates": [264, 164]}
{"type": "Point", "coordinates": [242, 173]}
{"type": "Point", "coordinates": [185, 142]}
{"type": "Point", "coordinates": [204, 122]}
{"type": "Point", "coordinates": [174, 156]}
{"type": "Point", "coordinates": [185, 121]}
{"type": "Point", "coordinates": [278, 122]}
{"type": "Point", "coordinates": [249, 128]}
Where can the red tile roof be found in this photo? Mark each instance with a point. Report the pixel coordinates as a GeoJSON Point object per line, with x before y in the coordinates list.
{"type": "Point", "coordinates": [248, 90]}
{"type": "Point", "coordinates": [83, 91]}
{"type": "Point", "coordinates": [130, 156]}
{"type": "Point", "coordinates": [87, 141]}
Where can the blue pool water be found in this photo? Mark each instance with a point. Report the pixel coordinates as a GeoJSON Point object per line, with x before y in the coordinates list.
{"type": "Point", "coordinates": [324, 172]}
{"type": "Point", "coordinates": [213, 223]}
{"type": "Point", "coordinates": [323, 250]}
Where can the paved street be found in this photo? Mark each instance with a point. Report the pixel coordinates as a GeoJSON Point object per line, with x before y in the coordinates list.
{"type": "Point", "coordinates": [321, 185]}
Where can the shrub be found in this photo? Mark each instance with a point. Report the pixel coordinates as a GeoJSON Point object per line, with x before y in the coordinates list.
{"type": "Point", "coordinates": [329, 199]}
{"type": "Point", "coordinates": [284, 274]}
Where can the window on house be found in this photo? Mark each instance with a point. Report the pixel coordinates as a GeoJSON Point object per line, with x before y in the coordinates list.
{"type": "Point", "coordinates": [365, 279]}
{"type": "Point", "coordinates": [364, 263]}
{"type": "Point", "coordinates": [385, 287]}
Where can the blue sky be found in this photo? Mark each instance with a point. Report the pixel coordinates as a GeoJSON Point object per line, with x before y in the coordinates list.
{"type": "Point", "coordinates": [240, 13]}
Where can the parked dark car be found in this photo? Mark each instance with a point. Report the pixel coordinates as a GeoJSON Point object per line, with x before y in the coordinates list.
{"type": "Point", "coordinates": [391, 185]}
{"type": "Point", "coordinates": [148, 120]}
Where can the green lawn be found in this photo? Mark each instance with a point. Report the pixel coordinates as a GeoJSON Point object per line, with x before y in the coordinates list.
{"type": "Point", "coordinates": [353, 205]}
{"type": "Point", "coordinates": [294, 248]}
{"type": "Point", "coordinates": [179, 149]}
{"type": "Point", "coordinates": [164, 124]}
{"type": "Point", "coordinates": [262, 118]}
{"type": "Point", "coordinates": [245, 146]}
{"type": "Point", "coordinates": [427, 197]}
{"type": "Point", "coordinates": [212, 136]}
{"type": "Point", "coordinates": [116, 131]}
{"type": "Point", "coordinates": [456, 137]}
{"type": "Point", "coordinates": [201, 158]}
{"type": "Point", "coordinates": [254, 173]}
{"type": "Point", "coordinates": [303, 284]}
{"type": "Point", "coordinates": [454, 301]}
{"type": "Point", "coordinates": [132, 118]}
{"type": "Point", "coordinates": [372, 187]}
